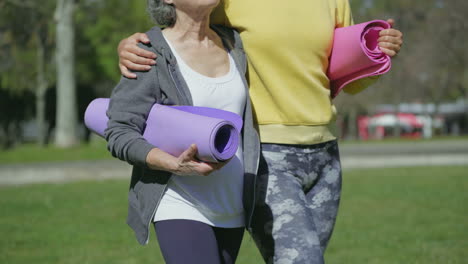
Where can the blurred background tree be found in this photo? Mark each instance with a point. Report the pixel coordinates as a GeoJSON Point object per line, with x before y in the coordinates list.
{"type": "Point", "coordinates": [28, 61]}
{"type": "Point", "coordinates": [431, 68]}
{"type": "Point", "coordinates": [25, 65]}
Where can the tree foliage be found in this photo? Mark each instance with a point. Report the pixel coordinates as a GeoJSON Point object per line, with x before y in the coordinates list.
{"type": "Point", "coordinates": [99, 26]}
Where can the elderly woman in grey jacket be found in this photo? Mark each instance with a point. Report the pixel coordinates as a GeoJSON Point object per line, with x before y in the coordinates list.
{"type": "Point", "coordinates": [198, 209]}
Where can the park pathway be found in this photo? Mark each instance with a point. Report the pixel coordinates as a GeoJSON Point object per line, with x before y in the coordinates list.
{"type": "Point", "coordinates": [353, 156]}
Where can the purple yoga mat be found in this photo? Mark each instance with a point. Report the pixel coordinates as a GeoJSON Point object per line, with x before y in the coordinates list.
{"type": "Point", "coordinates": [356, 54]}
{"type": "Point", "coordinates": [174, 128]}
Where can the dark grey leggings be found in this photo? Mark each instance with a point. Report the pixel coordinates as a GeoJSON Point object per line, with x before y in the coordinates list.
{"type": "Point", "coordinates": [297, 201]}
{"type": "Point", "coordinates": [187, 241]}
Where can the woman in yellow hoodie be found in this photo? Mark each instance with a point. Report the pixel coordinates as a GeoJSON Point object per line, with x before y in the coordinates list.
{"type": "Point", "coordinates": [298, 187]}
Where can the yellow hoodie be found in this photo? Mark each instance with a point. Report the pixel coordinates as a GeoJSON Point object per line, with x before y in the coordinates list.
{"type": "Point", "coordinates": [288, 44]}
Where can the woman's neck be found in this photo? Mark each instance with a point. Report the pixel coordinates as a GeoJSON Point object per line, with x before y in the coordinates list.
{"type": "Point", "coordinates": [191, 28]}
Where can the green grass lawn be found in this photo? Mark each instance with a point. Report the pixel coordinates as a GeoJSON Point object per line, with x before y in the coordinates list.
{"type": "Point", "coordinates": [390, 140]}
{"type": "Point", "coordinates": [27, 153]}
{"type": "Point", "coordinates": [413, 215]}
{"type": "Point", "coordinates": [97, 150]}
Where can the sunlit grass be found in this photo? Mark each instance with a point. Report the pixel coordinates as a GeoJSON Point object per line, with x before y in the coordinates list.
{"type": "Point", "coordinates": [414, 215]}
{"type": "Point", "coordinates": [28, 153]}
{"type": "Point", "coordinates": [96, 150]}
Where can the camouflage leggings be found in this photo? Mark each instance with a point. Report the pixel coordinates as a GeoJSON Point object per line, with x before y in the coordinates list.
{"type": "Point", "coordinates": [298, 192]}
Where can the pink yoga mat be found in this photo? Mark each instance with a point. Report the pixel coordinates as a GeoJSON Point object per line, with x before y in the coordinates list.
{"type": "Point", "coordinates": [174, 128]}
{"type": "Point", "coordinates": [356, 54]}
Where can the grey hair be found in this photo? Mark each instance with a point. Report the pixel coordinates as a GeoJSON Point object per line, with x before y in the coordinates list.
{"type": "Point", "coordinates": [162, 13]}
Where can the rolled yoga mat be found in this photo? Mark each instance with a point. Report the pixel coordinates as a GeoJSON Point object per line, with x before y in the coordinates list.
{"type": "Point", "coordinates": [174, 128]}
{"type": "Point", "coordinates": [355, 54]}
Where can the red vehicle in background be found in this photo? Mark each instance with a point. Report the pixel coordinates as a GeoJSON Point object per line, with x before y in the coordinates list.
{"type": "Point", "coordinates": [383, 125]}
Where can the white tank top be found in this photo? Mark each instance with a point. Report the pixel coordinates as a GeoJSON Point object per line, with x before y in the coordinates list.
{"type": "Point", "coordinates": [215, 199]}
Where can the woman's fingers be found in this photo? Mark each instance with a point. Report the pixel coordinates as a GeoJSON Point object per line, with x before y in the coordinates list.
{"type": "Point", "coordinates": [150, 56]}
{"type": "Point", "coordinates": [132, 51]}
{"type": "Point", "coordinates": [190, 165]}
{"type": "Point", "coordinates": [125, 72]}
{"type": "Point", "coordinates": [210, 167]}
{"type": "Point", "coordinates": [137, 55]}
{"type": "Point", "coordinates": [132, 57]}
{"type": "Point", "coordinates": [391, 32]}
{"type": "Point", "coordinates": [205, 169]}
{"type": "Point", "coordinates": [130, 45]}
{"type": "Point", "coordinates": [390, 41]}
{"type": "Point", "coordinates": [129, 61]}
{"type": "Point", "coordinates": [390, 46]}
{"type": "Point", "coordinates": [135, 67]}
{"type": "Point", "coordinates": [389, 52]}
{"type": "Point", "coordinates": [140, 37]}
{"type": "Point", "coordinates": [220, 165]}
{"type": "Point", "coordinates": [189, 154]}
{"type": "Point", "coordinates": [391, 21]}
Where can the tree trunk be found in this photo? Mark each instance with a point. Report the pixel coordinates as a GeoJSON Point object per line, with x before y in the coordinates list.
{"type": "Point", "coordinates": [41, 91]}
{"type": "Point", "coordinates": [66, 115]}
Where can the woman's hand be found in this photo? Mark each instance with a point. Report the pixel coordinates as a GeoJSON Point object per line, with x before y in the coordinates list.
{"type": "Point", "coordinates": [132, 57]}
{"type": "Point", "coordinates": [185, 164]}
{"type": "Point", "coordinates": [390, 40]}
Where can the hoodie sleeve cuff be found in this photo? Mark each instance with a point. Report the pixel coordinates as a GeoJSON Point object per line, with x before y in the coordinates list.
{"type": "Point", "coordinates": [139, 151]}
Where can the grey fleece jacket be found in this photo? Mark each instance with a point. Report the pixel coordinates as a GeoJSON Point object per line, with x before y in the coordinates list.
{"type": "Point", "coordinates": [130, 104]}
